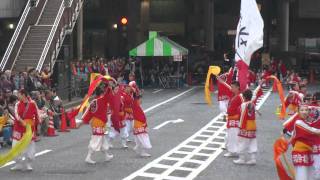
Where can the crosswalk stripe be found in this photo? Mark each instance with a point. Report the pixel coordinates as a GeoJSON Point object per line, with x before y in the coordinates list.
{"type": "Point", "coordinates": [195, 149]}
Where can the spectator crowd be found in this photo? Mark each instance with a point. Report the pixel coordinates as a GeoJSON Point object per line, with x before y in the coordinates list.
{"type": "Point", "coordinates": [117, 68]}
{"type": "Point", "coordinates": [39, 87]}
{"type": "Point", "coordinates": [120, 68]}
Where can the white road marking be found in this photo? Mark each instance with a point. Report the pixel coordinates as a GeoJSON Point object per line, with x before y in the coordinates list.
{"type": "Point", "coordinates": [147, 110]}
{"type": "Point", "coordinates": [157, 105]}
{"type": "Point", "coordinates": [36, 155]}
{"type": "Point", "coordinates": [180, 161]}
{"type": "Point", "coordinates": [167, 122]}
{"type": "Point", "coordinates": [166, 101]}
{"type": "Point", "coordinates": [159, 90]}
{"type": "Point", "coordinates": [199, 150]}
{"type": "Point", "coordinates": [78, 120]}
{"type": "Point", "coordinates": [263, 99]}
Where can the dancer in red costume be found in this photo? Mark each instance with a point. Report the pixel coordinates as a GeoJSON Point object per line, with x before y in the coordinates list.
{"type": "Point", "coordinates": [96, 115]}
{"type": "Point", "coordinates": [247, 141]}
{"type": "Point", "coordinates": [26, 112]}
{"type": "Point", "coordinates": [303, 139]}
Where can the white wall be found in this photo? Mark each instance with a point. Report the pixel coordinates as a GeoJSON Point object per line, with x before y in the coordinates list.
{"type": "Point", "coordinates": [11, 8]}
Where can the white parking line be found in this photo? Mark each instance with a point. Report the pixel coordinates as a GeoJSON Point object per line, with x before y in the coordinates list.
{"type": "Point", "coordinates": [199, 150]}
{"type": "Point", "coordinates": [161, 125]}
{"type": "Point", "coordinates": [36, 155]}
{"type": "Point", "coordinates": [167, 122]}
{"type": "Point", "coordinates": [166, 101]}
{"type": "Point", "coordinates": [159, 104]}
{"type": "Point", "coordinates": [159, 90]}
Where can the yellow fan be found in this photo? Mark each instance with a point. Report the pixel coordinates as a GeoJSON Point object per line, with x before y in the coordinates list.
{"type": "Point", "coordinates": [213, 70]}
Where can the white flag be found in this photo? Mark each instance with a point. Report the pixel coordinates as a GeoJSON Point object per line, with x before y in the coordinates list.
{"type": "Point", "coordinates": [249, 31]}
{"type": "Point", "coordinates": [249, 38]}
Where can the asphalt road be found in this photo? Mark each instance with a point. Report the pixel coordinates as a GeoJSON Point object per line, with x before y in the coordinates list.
{"type": "Point", "coordinates": [65, 161]}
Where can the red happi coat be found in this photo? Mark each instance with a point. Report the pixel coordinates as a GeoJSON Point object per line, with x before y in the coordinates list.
{"type": "Point", "coordinates": [233, 111]}
{"type": "Point", "coordinates": [303, 140]}
{"type": "Point", "coordinates": [96, 114]}
{"type": "Point", "coordinates": [29, 113]}
{"type": "Point", "coordinates": [289, 124]}
{"type": "Point", "coordinates": [224, 90]}
{"type": "Point", "coordinates": [247, 123]}
{"type": "Point", "coordinates": [315, 115]}
{"type": "Point", "coordinates": [117, 110]}
{"type": "Point", "coordinates": [140, 120]}
{"type": "Point", "coordinates": [128, 104]}
{"type": "Point", "coordinates": [292, 101]}
{"type": "Point", "coordinates": [230, 76]}
{"type": "Point", "coordinates": [257, 93]}
{"type": "Point", "coordinates": [266, 74]}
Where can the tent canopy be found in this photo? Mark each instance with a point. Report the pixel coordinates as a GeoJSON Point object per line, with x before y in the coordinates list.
{"type": "Point", "coordinates": [158, 46]}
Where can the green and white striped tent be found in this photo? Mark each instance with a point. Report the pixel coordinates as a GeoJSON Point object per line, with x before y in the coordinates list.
{"type": "Point", "coordinates": [158, 46]}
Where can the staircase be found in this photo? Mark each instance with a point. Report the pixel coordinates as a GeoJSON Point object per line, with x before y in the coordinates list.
{"type": "Point", "coordinates": [50, 12]}
{"type": "Point", "coordinates": [32, 47]}
{"type": "Point", "coordinates": [37, 42]}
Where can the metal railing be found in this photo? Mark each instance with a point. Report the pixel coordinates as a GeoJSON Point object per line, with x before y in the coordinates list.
{"type": "Point", "coordinates": [20, 46]}
{"type": "Point", "coordinates": [66, 19]}
{"type": "Point", "coordinates": [46, 1]}
{"type": "Point", "coordinates": [28, 17]}
{"type": "Point", "coordinates": [15, 36]}
{"type": "Point", "coordinates": [51, 36]}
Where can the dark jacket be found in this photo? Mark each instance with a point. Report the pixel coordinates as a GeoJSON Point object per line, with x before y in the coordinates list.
{"type": "Point", "coordinates": [30, 86]}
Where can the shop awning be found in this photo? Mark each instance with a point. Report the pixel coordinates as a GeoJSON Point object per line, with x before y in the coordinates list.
{"type": "Point", "coordinates": [158, 46]}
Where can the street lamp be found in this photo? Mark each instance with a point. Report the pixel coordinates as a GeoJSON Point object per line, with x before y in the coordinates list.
{"type": "Point", "coordinates": [115, 26]}
{"type": "Point", "coordinates": [11, 26]}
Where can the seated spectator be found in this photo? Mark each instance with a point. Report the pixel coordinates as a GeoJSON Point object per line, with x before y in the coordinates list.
{"type": "Point", "coordinates": [45, 77]}
{"type": "Point", "coordinates": [43, 114]}
{"type": "Point", "coordinates": [51, 107]}
{"type": "Point", "coordinates": [47, 97]}
{"type": "Point", "coordinates": [6, 125]}
{"type": "Point", "coordinates": [5, 84]}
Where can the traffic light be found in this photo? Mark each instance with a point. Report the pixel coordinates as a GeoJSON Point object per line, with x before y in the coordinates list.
{"type": "Point", "coordinates": [124, 21]}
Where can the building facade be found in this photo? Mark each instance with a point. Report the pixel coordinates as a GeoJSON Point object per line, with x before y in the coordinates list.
{"type": "Point", "coordinates": [209, 25]}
